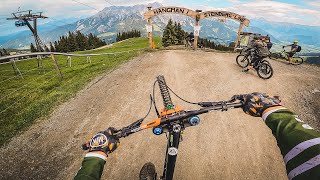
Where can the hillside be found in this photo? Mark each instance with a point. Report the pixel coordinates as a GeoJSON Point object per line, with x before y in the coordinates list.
{"type": "Point", "coordinates": [113, 19]}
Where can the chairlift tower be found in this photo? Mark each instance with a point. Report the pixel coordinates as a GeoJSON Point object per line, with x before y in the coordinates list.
{"type": "Point", "coordinates": [22, 18]}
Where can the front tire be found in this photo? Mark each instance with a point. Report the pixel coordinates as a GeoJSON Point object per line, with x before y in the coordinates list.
{"type": "Point", "coordinates": [242, 61]}
{"type": "Point", "coordinates": [265, 71]}
{"type": "Point", "coordinates": [297, 60]}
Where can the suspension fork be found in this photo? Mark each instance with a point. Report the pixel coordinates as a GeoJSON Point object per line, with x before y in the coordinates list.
{"type": "Point", "coordinates": [171, 155]}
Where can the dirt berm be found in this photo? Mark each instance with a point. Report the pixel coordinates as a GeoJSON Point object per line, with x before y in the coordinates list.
{"type": "Point", "coordinates": [226, 145]}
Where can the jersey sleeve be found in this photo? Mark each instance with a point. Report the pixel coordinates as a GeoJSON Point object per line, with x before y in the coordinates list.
{"type": "Point", "coordinates": [91, 169]}
{"type": "Point", "coordinates": [298, 142]}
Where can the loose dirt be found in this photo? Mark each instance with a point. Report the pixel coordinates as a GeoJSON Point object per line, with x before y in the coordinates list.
{"type": "Point", "coordinates": [226, 145]}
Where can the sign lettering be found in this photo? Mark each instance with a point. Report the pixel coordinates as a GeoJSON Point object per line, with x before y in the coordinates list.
{"type": "Point", "coordinates": [226, 14]}
{"type": "Point", "coordinates": [170, 10]}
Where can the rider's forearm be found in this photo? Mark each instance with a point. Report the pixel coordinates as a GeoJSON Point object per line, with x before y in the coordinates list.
{"type": "Point", "coordinates": [298, 142]}
{"type": "Point", "coordinates": [91, 169]}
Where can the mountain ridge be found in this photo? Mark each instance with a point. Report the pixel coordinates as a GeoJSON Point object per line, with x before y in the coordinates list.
{"type": "Point", "coordinates": [115, 19]}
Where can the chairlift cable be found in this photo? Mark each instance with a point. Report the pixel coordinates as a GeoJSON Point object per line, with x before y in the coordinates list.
{"type": "Point", "coordinates": [86, 5]}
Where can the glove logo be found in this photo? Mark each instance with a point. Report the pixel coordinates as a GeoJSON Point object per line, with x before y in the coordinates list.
{"type": "Point", "coordinates": [98, 140]}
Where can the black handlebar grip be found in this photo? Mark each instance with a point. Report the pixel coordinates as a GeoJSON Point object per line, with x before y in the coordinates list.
{"type": "Point", "coordinates": [206, 104]}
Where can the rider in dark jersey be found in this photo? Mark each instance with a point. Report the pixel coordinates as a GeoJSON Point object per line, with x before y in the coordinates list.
{"type": "Point", "coordinates": [294, 48]}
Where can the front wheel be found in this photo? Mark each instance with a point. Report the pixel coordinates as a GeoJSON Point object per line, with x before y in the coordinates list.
{"type": "Point", "coordinates": [242, 61]}
{"type": "Point", "coordinates": [265, 71]}
{"type": "Point", "coordinates": [297, 60]}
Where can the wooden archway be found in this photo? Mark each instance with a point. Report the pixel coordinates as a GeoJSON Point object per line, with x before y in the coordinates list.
{"type": "Point", "coordinates": [197, 15]}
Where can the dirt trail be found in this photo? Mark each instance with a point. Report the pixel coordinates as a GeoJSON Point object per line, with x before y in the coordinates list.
{"type": "Point", "coordinates": [226, 145]}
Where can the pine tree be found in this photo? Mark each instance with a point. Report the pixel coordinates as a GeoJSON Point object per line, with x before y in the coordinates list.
{"type": "Point", "coordinates": [118, 37]}
{"type": "Point", "coordinates": [169, 35]}
{"type": "Point", "coordinates": [32, 48]}
{"type": "Point", "coordinates": [1, 53]}
{"type": "Point", "coordinates": [46, 49]}
{"type": "Point", "coordinates": [82, 41]}
{"type": "Point", "coordinates": [91, 41]}
{"type": "Point", "coordinates": [64, 44]}
{"type": "Point", "coordinates": [180, 33]}
{"type": "Point", "coordinates": [56, 46]}
{"type": "Point", "coordinates": [5, 53]}
{"type": "Point", "coordinates": [71, 42]}
{"type": "Point", "coordinates": [52, 49]}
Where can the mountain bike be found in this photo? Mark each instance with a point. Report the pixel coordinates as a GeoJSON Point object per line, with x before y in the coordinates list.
{"type": "Point", "coordinates": [295, 60]}
{"type": "Point", "coordinates": [172, 121]}
{"type": "Point", "coordinates": [246, 56]}
{"type": "Point", "coordinates": [188, 43]}
{"type": "Point", "coordinates": [262, 66]}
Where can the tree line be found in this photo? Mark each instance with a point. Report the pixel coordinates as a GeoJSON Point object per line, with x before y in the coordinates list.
{"type": "Point", "coordinates": [4, 52]}
{"type": "Point", "coordinates": [127, 35]}
{"type": "Point", "coordinates": [203, 42]}
{"type": "Point", "coordinates": [173, 34]}
{"type": "Point", "coordinates": [74, 41]}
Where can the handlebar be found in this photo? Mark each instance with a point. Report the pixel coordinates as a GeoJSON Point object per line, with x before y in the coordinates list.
{"type": "Point", "coordinates": [173, 118]}
{"type": "Point", "coordinates": [179, 117]}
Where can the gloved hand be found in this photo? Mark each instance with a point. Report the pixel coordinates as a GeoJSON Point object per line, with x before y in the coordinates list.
{"type": "Point", "coordinates": [256, 103]}
{"type": "Point", "coordinates": [102, 144]}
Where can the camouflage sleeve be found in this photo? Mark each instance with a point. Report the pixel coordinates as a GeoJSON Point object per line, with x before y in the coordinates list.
{"type": "Point", "coordinates": [91, 169]}
{"type": "Point", "coordinates": [298, 142]}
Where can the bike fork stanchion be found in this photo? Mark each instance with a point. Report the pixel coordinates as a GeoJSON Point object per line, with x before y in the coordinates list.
{"type": "Point", "coordinates": [171, 155]}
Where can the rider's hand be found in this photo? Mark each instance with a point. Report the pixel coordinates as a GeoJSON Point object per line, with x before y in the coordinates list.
{"type": "Point", "coordinates": [255, 104]}
{"type": "Point", "coordinates": [103, 143]}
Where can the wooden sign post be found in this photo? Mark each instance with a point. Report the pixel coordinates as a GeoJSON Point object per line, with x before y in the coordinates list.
{"type": "Point", "coordinates": [149, 29]}
{"type": "Point", "coordinates": [238, 37]}
{"type": "Point", "coordinates": [149, 32]}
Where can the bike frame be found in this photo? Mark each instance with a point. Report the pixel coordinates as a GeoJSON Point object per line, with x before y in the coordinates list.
{"type": "Point", "coordinates": [285, 55]}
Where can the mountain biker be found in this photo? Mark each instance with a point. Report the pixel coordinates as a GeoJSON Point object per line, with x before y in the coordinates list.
{"type": "Point", "coordinates": [268, 41]}
{"type": "Point", "coordinates": [298, 142]}
{"type": "Point", "coordinates": [261, 51]}
{"type": "Point", "coordinates": [190, 38]}
{"type": "Point", "coordinates": [294, 49]}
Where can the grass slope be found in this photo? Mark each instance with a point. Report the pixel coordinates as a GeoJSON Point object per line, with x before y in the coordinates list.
{"type": "Point", "coordinates": [22, 101]}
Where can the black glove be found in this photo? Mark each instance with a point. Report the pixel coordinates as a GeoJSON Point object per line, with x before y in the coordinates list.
{"type": "Point", "coordinates": [255, 104]}
{"type": "Point", "coordinates": [103, 143]}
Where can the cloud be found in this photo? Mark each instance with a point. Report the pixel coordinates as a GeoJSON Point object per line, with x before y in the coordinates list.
{"type": "Point", "coordinates": [277, 11]}
{"type": "Point", "coordinates": [270, 10]}
{"type": "Point", "coordinates": [69, 8]}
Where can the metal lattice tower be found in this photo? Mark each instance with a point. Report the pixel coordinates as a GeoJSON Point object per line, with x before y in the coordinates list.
{"type": "Point", "coordinates": [22, 19]}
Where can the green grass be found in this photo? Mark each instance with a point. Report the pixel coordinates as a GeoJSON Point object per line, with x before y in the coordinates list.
{"type": "Point", "coordinates": [22, 101]}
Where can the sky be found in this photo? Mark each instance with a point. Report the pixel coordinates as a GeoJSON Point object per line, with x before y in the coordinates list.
{"type": "Point", "coordinates": [306, 12]}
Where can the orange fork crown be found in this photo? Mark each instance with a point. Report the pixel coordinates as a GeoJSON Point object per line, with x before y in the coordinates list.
{"type": "Point", "coordinates": [164, 113]}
